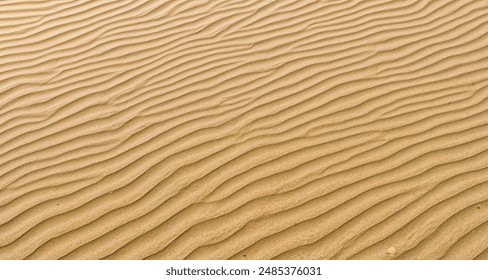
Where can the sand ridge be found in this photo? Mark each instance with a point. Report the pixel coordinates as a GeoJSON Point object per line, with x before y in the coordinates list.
{"type": "Point", "coordinates": [291, 129]}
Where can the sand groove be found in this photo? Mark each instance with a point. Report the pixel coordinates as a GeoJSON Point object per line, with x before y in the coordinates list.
{"type": "Point", "coordinates": [287, 129]}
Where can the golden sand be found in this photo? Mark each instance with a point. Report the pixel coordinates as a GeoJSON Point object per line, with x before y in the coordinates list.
{"type": "Point", "coordinates": [220, 129]}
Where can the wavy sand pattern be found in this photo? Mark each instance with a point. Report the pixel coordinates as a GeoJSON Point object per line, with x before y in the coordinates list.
{"type": "Point", "coordinates": [210, 129]}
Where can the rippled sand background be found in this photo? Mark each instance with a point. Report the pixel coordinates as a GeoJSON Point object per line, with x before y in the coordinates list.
{"type": "Point", "coordinates": [288, 129]}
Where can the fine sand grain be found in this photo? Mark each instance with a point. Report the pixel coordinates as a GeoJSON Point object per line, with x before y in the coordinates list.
{"type": "Point", "coordinates": [248, 129]}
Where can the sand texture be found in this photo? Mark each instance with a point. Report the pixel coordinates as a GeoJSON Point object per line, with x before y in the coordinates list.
{"type": "Point", "coordinates": [248, 129]}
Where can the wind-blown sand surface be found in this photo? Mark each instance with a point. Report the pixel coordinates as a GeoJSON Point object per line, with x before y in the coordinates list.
{"type": "Point", "coordinates": [289, 129]}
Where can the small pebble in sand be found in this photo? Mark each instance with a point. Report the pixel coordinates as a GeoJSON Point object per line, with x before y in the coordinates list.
{"type": "Point", "coordinates": [391, 251]}
{"type": "Point", "coordinates": [244, 254]}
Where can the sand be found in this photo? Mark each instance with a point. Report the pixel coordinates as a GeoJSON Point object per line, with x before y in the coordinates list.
{"type": "Point", "coordinates": [221, 129]}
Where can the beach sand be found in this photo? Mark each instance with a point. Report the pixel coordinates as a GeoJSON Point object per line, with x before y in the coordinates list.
{"type": "Point", "coordinates": [221, 129]}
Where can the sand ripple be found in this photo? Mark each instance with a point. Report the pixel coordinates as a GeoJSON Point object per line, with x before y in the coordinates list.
{"type": "Point", "coordinates": [341, 129]}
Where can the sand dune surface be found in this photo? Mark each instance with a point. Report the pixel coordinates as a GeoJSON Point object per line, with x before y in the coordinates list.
{"type": "Point", "coordinates": [244, 129]}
